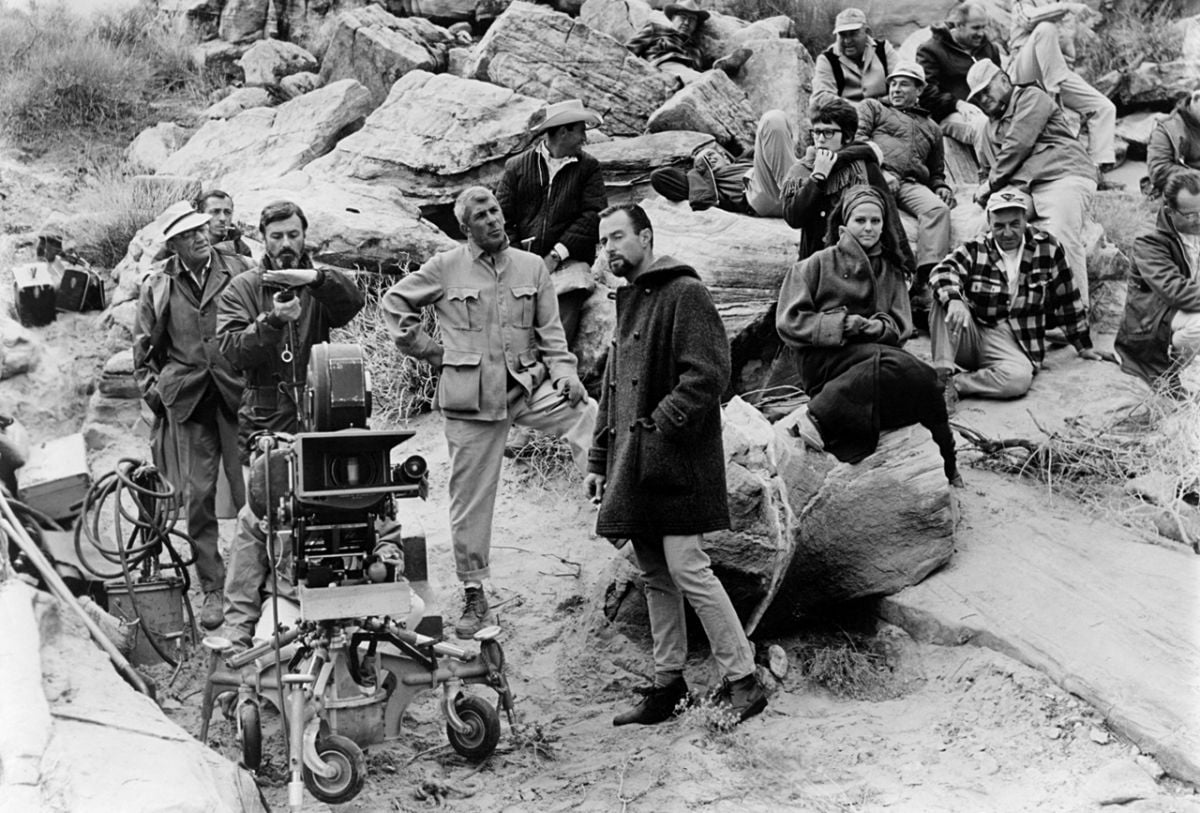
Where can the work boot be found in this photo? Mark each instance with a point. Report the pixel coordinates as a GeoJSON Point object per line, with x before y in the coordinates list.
{"type": "Point", "coordinates": [744, 697]}
{"type": "Point", "coordinates": [807, 430]}
{"type": "Point", "coordinates": [658, 704]}
{"type": "Point", "coordinates": [212, 614]}
{"type": "Point", "coordinates": [476, 614]}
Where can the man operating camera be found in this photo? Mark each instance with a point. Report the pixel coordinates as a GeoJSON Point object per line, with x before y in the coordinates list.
{"type": "Point", "coordinates": [268, 322]}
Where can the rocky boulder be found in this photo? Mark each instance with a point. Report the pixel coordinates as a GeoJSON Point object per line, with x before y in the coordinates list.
{"type": "Point", "coordinates": [240, 100]}
{"type": "Point", "coordinates": [712, 104]}
{"type": "Point", "coordinates": [243, 20]}
{"type": "Point", "coordinates": [550, 56]}
{"type": "Point", "coordinates": [263, 144]}
{"type": "Point", "coordinates": [777, 76]}
{"type": "Point", "coordinates": [1136, 129]}
{"type": "Point", "coordinates": [628, 162]}
{"type": "Point", "coordinates": [266, 62]}
{"type": "Point", "coordinates": [721, 33]}
{"type": "Point", "coordinates": [195, 20]}
{"type": "Point", "coordinates": [1158, 82]}
{"type": "Point", "coordinates": [376, 48]}
{"type": "Point", "coordinates": [445, 9]}
{"type": "Point", "coordinates": [20, 348]}
{"type": "Point", "coordinates": [434, 135]}
{"type": "Point", "coordinates": [116, 379]}
{"type": "Point", "coordinates": [299, 83]}
{"type": "Point", "coordinates": [620, 19]}
{"type": "Point", "coordinates": [354, 225]}
{"type": "Point", "coordinates": [67, 705]}
{"type": "Point", "coordinates": [149, 150]}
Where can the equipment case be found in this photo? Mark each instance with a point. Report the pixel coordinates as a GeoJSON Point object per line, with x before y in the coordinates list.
{"type": "Point", "coordinates": [80, 290]}
{"type": "Point", "coordinates": [35, 294]}
{"type": "Point", "coordinates": [55, 481]}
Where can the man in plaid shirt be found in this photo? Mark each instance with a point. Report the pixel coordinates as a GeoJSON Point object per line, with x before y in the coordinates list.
{"type": "Point", "coordinates": [995, 296]}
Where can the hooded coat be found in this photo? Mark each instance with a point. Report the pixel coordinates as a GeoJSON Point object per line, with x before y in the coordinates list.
{"type": "Point", "coordinates": [1174, 146]}
{"type": "Point", "coordinates": [1160, 285]}
{"type": "Point", "coordinates": [658, 431]}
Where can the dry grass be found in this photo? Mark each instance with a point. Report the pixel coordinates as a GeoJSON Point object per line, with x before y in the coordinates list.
{"type": "Point", "coordinates": [401, 387]}
{"type": "Point", "coordinates": [1124, 217]}
{"type": "Point", "coordinates": [546, 464]}
{"type": "Point", "coordinates": [851, 666]}
{"type": "Point", "coordinates": [66, 77]}
{"type": "Point", "coordinates": [811, 19]}
{"type": "Point", "coordinates": [1157, 439]}
{"type": "Point", "coordinates": [113, 209]}
{"type": "Point", "coordinates": [1128, 35]}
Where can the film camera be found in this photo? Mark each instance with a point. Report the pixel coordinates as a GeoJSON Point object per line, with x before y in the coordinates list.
{"type": "Point", "coordinates": [329, 489]}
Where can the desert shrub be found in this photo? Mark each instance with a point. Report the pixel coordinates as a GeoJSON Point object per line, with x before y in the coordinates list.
{"type": "Point", "coordinates": [112, 210]}
{"type": "Point", "coordinates": [1124, 216]}
{"type": "Point", "coordinates": [401, 386]}
{"type": "Point", "coordinates": [61, 74]}
{"type": "Point", "coordinates": [812, 19]}
{"type": "Point", "coordinates": [852, 666]}
{"type": "Point", "coordinates": [1127, 36]}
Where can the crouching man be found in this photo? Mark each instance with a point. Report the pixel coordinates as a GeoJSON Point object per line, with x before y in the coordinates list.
{"type": "Point", "coordinates": [657, 467]}
{"type": "Point", "coordinates": [503, 360]}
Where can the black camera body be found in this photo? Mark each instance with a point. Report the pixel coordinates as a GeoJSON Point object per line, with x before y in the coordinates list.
{"type": "Point", "coordinates": [334, 485]}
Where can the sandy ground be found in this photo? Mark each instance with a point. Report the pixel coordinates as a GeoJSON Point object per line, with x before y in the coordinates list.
{"type": "Point", "coordinates": [928, 728]}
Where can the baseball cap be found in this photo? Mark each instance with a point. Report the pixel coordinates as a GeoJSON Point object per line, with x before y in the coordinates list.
{"type": "Point", "coordinates": [980, 76]}
{"type": "Point", "coordinates": [1010, 197]}
{"type": "Point", "coordinates": [850, 19]}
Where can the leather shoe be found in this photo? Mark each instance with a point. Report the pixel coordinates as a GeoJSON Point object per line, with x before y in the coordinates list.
{"type": "Point", "coordinates": [212, 613]}
{"type": "Point", "coordinates": [658, 704]}
{"type": "Point", "coordinates": [745, 697]}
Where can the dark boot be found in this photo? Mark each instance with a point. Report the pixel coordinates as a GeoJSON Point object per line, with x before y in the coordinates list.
{"type": "Point", "coordinates": [943, 436]}
{"type": "Point", "coordinates": [744, 697]}
{"type": "Point", "coordinates": [658, 704]}
{"type": "Point", "coordinates": [476, 613]}
{"type": "Point", "coordinates": [918, 297]}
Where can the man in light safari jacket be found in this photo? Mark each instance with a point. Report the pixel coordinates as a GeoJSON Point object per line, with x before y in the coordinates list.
{"type": "Point", "coordinates": [856, 66]}
{"type": "Point", "coordinates": [503, 360]}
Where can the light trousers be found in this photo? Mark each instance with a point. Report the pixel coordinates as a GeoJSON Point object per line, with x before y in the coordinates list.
{"type": "Point", "coordinates": [995, 364]}
{"type": "Point", "coordinates": [675, 568]}
{"type": "Point", "coordinates": [774, 155]}
{"type": "Point", "coordinates": [933, 221]}
{"type": "Point", "coordinates": [1185, 335]}
{"type": "Point", "coordinates": [1060, 207]}
{"type": "Point", "coordinates": [476, 455]}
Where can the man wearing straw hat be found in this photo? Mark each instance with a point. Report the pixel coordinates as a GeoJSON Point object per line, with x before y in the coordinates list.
{"type": "Point", "coordinates": [182, 373]}
{"type": "Point", "coordinates": [551, 196]}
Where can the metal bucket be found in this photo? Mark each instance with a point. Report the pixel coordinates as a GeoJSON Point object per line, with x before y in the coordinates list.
{"type": "Point", "coordinates": [159, 603]}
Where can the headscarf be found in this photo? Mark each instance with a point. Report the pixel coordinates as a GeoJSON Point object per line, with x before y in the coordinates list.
{"type": "Point", "coordinates": [856, 195]}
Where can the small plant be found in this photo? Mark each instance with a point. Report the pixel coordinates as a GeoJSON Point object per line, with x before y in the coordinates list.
{"type": "Point", "coordinates": [856, 668]}
{"type": "Point", "coordinates": [1126, 37]}
{"type": "Point", "coordinates": [546, 461]}
{"type": "Point", "coordinates": [718, 721]}
{"type": "Point", "coordinates": [402, 387]}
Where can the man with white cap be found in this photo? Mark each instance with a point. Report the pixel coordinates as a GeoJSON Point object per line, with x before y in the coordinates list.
{"type": "Point", "coordinates": [994, 298]}
{"type": "Point", "coordinates": [913, 164]}
{"type": "Point", "coordinates": [855, 66]}
{"type": "Point", "coordinates": [551, 196]}
{"type": "Point", "coordinates": [181, 372]}
{"type": "Point", "coordinates": [1028, 143]}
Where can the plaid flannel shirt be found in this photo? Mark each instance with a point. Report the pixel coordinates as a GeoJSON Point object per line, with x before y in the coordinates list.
{"type": "Point", "coordinates": [1046, 295]}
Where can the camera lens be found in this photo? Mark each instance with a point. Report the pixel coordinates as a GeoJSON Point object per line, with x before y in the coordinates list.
{"type": "Point", "coordinates": [414, 468]}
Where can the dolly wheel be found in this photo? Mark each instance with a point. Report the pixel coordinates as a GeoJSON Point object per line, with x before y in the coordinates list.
{"type": "Point", "coordinates": [250, 735]}
{"type": "Point", "coordinates": [345, 756]}
{"type": "Point", "coordinates": [484, 722]}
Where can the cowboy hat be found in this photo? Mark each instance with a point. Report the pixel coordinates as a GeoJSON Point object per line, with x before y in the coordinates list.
{"type": "Point", "coordinates": [565, 112]}
{"type": "Point", "coordinates": [687, 7]}
{"type": "Point", "coordinates": [185, 222]}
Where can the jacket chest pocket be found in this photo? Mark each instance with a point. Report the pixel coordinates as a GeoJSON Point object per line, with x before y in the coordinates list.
{"type": "Point", "coordinates": [523, 304]}
{"type": "Point", "coordinates": [1035, 292]}
{"type": "Point", "coordinates": [465, 311]}
{"type": "Point", "coordinates": [986, 293]}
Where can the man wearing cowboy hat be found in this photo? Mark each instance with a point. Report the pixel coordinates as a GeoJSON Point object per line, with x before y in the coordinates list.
{"type": "Point", "coordinates": [914, 165]}
{"type": "Point", "coordinates": [180, 370]}
{"type": "Point", "coordinates": [674, 48]}
{"type": "Point", "coordinates": [551, 196]}
{"type": "Point", "coordinates": [1028, 143]}
{"type": "Point", "coordinates": [993, 298]}
{"type": "Point", "coordinates": [855, 66]}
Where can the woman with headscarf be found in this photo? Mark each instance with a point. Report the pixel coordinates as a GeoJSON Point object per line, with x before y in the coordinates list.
{"type": "Point", "coordinates": [845, 312]}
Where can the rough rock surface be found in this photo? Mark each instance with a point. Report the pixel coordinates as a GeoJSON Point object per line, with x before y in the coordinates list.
{"type": "Point", "coordinates": [299, 83]}
{"type": "Point", "coordinates": [240, 100]}
{"type": "Point", "coordinates": [268, 61]}
{"type": "Point", "coordinates": [196, 20]}
{"type": "Point", "coordinates": [151, 147]}
{"type": "Point", "coordinates": [350, 224]}
{"type": "Point", "coordinates": [1156, 82]}
{"type": "Point", "coordinates": [263, 144]}
{"type": "Point", "coordinates": [711, 104]}
{"type": "Point", "coordinates": [79, 708]}
{"type": "Point", "coordinates": [116, 379]}
{"type": "Point", "coordinates": [778, 76]}
{"type": "Point", "coordinates": [435, 135]}
{"type": "Point", "coordinates": [20, 348]}
{"type": "Point", "coordinates": [377, 48]}
{"type": "Point", "coordinates": [550, 56]}
{"type": "Point", "coordinates": [620, 19]}
{"type": "Point", "coordinates": [1136, 128]}
{"type": "Point", "coordinates": [218, 59]}
{"type": "Point", "coordinates": [626, 160]}
{"type": "Point", "coordinates": [243, 20]}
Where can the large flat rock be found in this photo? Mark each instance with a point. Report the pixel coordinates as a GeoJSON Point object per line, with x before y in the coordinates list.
{"type": "Point", "coordinates": [1106, 616]}
{"type": "Point", "coordinates": [263, 144]}
{"type": "Point", "coordinates": [545, 54]}
{"type": "Point", "coordinates": [434, 136]}
{"type": "Point", "coordinates": [626, 160]}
